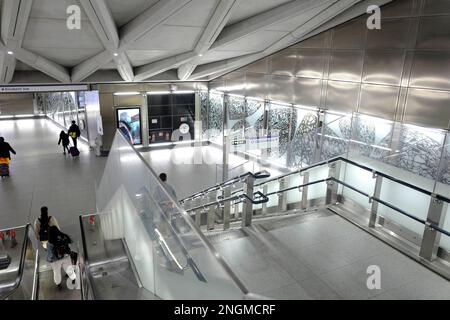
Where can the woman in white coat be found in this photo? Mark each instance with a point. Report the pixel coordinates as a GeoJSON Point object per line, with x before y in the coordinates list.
{"type": "Point", "coordinates": [58, 254]}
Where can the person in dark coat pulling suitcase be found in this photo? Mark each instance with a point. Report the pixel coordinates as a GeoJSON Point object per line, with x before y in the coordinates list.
{"type": "Point", "coordinates": [64, 139]}
{"type": "Point", "coordinates": [5, 157]}
{"type": "Point", "coordinates": [74, 133]}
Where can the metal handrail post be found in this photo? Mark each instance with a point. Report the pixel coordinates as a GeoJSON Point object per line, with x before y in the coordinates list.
{"type": "Point", "coordinates": [376, 194]}
{"type": "Point", "coordinates": [247, 210]}
{"type": "Point", "coordinates": [211, 216]}
{"type": "Point", "coordinates": [226, 193]}
{"type": "Point", "coordinates": [305, 190]}
{"type": "Point", "coordinates": [282, 197]}
{"type": "Point", "coordinates": [334, 170]}
{"type": "Point", "coordinates": [431, 237]}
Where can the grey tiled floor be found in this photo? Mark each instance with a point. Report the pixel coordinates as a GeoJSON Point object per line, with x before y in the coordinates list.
{"type": "Point", "coordinates": [323, 258]}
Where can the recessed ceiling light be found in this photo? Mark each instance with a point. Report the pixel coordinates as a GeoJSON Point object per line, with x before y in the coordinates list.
{"type": "Point", "coordinates": [115, 54]}
{"type": "Point", "coordinates": [10, 52]}
{"type": "Point", "coordinates": [200, 54]}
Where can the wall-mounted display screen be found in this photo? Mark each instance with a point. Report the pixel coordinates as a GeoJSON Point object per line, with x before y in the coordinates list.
{"type": "Point", "coordinates": [129, 122]}
{"type": "Point", "coordinates": [171, 117]}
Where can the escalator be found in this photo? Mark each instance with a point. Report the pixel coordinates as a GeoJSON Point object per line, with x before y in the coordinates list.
{"type": "Point", "coordinates": [19, 252]}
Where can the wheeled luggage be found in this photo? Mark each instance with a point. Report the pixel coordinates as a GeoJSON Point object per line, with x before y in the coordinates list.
{"type": "Point", "coordinates": [74, 152]}
{"type": "Point", "coordinates": [4, 170]}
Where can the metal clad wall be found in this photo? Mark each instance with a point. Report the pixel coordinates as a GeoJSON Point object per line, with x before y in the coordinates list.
{"type": "Point", "coordinates": [401, 72]}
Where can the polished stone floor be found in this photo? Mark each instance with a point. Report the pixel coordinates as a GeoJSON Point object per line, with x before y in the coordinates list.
{"type": "Point", "coordinates": [322, 256]}
{"type": "Point", "coordinates": [42, 176]}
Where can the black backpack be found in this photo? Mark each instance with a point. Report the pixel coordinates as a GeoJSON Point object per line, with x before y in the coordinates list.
{"type": "Point", "coordinates": [62, 245]}
{"type": "Point", "coordinates": [43, 232]}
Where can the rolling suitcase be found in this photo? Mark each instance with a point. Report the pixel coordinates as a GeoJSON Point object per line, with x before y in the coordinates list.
{"type": "Point", "coordinates": [4, 170]}
{"type": "Point", "coordinates": [74, 152]}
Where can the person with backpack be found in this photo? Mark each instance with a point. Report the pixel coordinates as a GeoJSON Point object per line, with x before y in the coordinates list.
{"type": "Point", "coordinates": [74, 133]}
{"type": "Point", "coordinates": [59, 255]}
{"type": "Point", "coordinates": [64, 138]}
{"type": "Point", "coordinates": [42, 225]}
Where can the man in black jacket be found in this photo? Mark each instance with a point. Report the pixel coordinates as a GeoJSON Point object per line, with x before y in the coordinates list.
{"type": "Point", "coordinates": [74, 132]}
{"type": "Point", "coordinates": [5, 149]}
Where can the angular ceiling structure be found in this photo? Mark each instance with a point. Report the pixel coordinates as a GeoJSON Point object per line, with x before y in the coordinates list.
{"type": "Point", "coordinates": [154, 40]}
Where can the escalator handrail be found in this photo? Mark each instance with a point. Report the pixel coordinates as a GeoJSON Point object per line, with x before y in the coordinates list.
{"type": "Point", "coordinates": [18, 279]}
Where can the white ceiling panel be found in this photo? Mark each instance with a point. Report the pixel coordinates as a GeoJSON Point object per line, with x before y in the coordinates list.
{"type": "Point", "coordinates": [38, 31]}
{"type": "Point", "coordinates": [255, 42]}
{"type": "Point", "coordinates": [77, 54]}
{"type": "Point", "coordinates": [217, 55]}
{"type": "Point", "coordinates": [248, 8]}
{"type": "Point", "coordinates": [51, 9]}
{"type": "Point", "coordinates": [123, 11]}
{"type": "Point", "coordinates": [68, 57]}
{"type": "Point", "coordinates": [195, 14]}
{"type": "Point", "coordinates": [293, 23]}
{"type": "Point", "coordinates": [141, 57]}
{"type": "Point", "coordinates": [170, 38]}
{"type": "Point", "coordinates": [22, 66]}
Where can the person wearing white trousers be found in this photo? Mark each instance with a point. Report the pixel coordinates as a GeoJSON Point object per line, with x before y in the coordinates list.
{"type": "Point", "coordinates": [65, 264]}
{"type": "Point", "coordinates": [59, 259]}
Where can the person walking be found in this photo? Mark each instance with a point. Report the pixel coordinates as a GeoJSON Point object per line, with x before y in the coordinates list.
{"type": "Point", "coordinates": [64, 139]}
{"type": "Point", "coordinates": [5, 157]}
{"type": "Point", "coordinates": [74, 133]}
{"type": "Point", "coordinates": [42, 226]}
{"type": "Point", "coordinates": [58, 254]}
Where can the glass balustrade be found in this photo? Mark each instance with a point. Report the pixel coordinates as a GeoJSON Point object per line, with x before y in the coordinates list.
{"type": "Point", "coordinates": [172, 258]}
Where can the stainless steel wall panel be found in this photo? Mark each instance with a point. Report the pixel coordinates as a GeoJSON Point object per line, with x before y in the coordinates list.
{"type": "Point", "coordinates": [407, 67]}
{"type": "Point", "coordinates": [256, 85]}
{"type": "Point", "coordinates": [398, 8]}
{"type": "Point", "coordinates": [401, 104]}
{"type": "Point", "coordinates": [310, 63]}
{"type": "Point", "coordinates": [398, 72]}
{"type": "Point", "coordinates": [383, 67]}
{"type": "Point", "coordinates": [281, 88]}
{"type": "Point", "coordinates": [346, 65]}
{"type": "Point", "coordinates": [431, 70]}
{"type": "Point", "coordinates": [380, 101]}
{"type": "Point", "coordinates": [235, 83]}
{"type": "Point", "coordinates": [260, 66]}
{"type": "Point", "coordinates": [218, 85]}
{"type": "Point", "coordinates": [350, 35]}
{"type": "Point", "coordinates": [307, 92]}
{"type": "Point", "coordinates": [436, 7]}
{"type": "Point", "coordinates": [428, 108]}
{"type": "Point", "coordinates": [284, 62]}
{"type": "Point", "coordinates": [342, 96]}
{"type": "Point", "coordinates": [394, 34]}
{"type": "Point", "coordinates": [434, 33]}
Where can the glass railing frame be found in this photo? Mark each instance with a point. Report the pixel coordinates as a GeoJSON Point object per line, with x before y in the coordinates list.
{"type": "Point", "coordinates": [182, 212]}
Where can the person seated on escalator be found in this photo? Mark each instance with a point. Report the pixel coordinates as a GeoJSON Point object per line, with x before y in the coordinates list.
{"type": "Point", "coordinates": [59, 255]}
